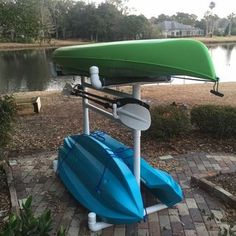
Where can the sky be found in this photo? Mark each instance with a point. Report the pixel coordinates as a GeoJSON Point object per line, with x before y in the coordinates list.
{"type": "Point", "coordinates": [169, 7]}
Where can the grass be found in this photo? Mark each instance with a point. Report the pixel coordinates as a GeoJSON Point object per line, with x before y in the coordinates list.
{"type": "Point", "coordinates": [59, 43]}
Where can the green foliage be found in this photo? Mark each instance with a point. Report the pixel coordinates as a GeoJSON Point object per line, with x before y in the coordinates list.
{"type": "Point", "coordinates": [19, 20]}
{"type": "Point", "coordinates": [28, 224]}
{"type": "Point", "coordinates": [217, 121]}
{"type": "Point", "coordinates": [30, 20]}
{"type": "Point", "coordinates": [168, 121]}
{"type": "Point", "coordinates": [185, 18]}
{"type": "Point", "coordinates": [61, 232]}
{"type": "Point", "coordinates": [7, 113]}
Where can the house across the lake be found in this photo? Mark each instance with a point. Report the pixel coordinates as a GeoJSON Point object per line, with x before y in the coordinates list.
{"type": "Point", "coordinates": [174, 29]}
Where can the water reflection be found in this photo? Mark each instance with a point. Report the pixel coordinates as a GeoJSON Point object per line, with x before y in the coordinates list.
{"type": "Point", "coordinates": [24, 70]}
{"type": "Point", "coordinates": [224, 59]}
{"type": "Point", "coordinates": [30, 70]}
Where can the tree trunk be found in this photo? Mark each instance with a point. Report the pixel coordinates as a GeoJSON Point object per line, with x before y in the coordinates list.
{"type": "Point", "coordinates": [230, 27]}
{"type": "Point", "coordinates": [57, 34]}
{"type": "Point", "coordinates": [64, 33]}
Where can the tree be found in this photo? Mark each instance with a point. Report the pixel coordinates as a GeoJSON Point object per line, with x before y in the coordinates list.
{"type": "Point", "coordinates": [109, 18]}
{"type": "Point", "coordinates": [8, 19]}
{"type": "Point", "coordinates": [185, 18]}
{"type": "Point", "coordinates": [121, 5]}
{"type": "Point", "coordinates": [221, 26]}
{"type": "Point", "coordinates": [210, 19]}
{"type": "Point", "coordinates": [212, 5]}
{"type": "Point", "coordinates": [19, 20]}
{"type": "Point", "coordinates": [59, 11]}
{"type": "Point", "coordinates": [136, 27]}
{"type": "Point", "coordinates": [231, 19]}
{"type": "Point", "coordinates": [47, 26]}
{"type": "Point", "coordinates": [201, 24]}
{"type": "Point", "coordinates": [163, 17]}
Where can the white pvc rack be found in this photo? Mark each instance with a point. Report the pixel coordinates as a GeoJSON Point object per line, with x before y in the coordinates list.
{"type": "Point", "coordinates": [136, 93]}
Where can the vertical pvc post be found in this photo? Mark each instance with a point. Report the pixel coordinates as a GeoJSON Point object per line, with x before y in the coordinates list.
{"type": "Point", "coordinates": [86, 129]}
{"type": "Point", "coordinates": [137, 138]}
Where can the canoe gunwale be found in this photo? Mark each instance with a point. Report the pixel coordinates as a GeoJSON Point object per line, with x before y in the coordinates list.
{"type": "Point", "coordinates": [202, 77]}
{"type": "Point", "coordinates": [141, 59]}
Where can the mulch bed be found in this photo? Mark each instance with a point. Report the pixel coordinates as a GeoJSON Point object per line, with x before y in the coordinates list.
{"type": "Point", "coordinates": [5, 205]}
{"type": "Point", "coordinates": [226, 181]}
{"type": "Point", "coordinates": [45, 132]}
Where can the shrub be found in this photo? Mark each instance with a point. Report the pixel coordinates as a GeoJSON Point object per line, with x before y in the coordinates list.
{"type": "Point", "coordinates": [28, 224]}
{"type": "Point", "coordinates": [218, 121]}
{"type": "Point", "coordinates": [168, 121]}
{"type": "Point", "coordinates": [7, 113]}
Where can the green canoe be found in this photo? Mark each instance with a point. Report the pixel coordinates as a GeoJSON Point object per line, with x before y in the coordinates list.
{"type": "Point", "coordinates": [138, 61]}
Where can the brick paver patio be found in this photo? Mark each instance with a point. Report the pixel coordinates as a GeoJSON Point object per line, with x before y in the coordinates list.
{"type": "Point", "coordinates": [33, 175]}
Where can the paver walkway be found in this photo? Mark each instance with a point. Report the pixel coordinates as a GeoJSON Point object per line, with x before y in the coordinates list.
{"type": "Point", "coordinates": [199, 213]}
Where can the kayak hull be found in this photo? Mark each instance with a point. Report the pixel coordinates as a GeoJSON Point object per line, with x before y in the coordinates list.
{"type": "Point", "coordinates": [159, 182]}
{"type": "Point", "coordinates": [99, 180]}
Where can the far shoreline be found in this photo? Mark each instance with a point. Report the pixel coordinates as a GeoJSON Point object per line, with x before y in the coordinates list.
{"type": "Point", "coordinates": [60, 43]}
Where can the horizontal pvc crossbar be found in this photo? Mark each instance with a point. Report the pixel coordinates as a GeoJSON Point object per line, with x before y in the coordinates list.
{"type": "Point", "coordinates": [96, 226]}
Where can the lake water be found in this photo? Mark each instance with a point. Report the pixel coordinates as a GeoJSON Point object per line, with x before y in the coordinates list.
{"type": "Point", "coordinates": [31, 70]}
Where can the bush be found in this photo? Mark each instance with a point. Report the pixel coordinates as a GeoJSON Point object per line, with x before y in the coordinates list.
{"type": "Point", "coordinates": [218, 121]}
{"type": "Point", "coordinates": [28, 224]}
{"type": "Point", "coordinates": [168, 121]}
{"type": "Point", "coordinates": [7, 113]}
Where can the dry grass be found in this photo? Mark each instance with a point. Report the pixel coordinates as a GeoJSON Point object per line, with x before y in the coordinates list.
{"type": "Point", "coordinates": [217, 39]}
{"type": "Point", "coordinates": [191, 94]}
{"type": "Point", "coordinates": [53, 44]}
{"type": "Point", "coordinates": [58, 43]}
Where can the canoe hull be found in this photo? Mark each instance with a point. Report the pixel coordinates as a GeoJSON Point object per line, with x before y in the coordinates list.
{"type": "Point", "coordinates": [140, 60]}
{"type": "Point", "coordinates": [99, 180]}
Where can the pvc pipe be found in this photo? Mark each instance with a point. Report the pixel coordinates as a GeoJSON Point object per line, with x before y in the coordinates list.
{"type": "Point", "coordinates": [137, 144]}
{"type": "Point", "coordinates": [137, 91]}
{"type": "Point", "coordinates": [114, 108]}
{"type": "Point", "coordinates": [94, 77]}
{"type": "Point", "coordinates": [86, 129]}
{"type": "Point", "coordinates": [94, 225]}
{"type": "Point", "coordinates": [155, 208]}
{"type": "Point", "coordinates": [55, 165]}
{"type": "Point", "coordinates": [99, 110]}
{"type": "Point", "coordinates": [137, 138]}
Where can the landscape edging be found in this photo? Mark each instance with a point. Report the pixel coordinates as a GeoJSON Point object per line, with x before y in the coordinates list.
{"type": "Point", "coordinates": [214, 189]}
{"type": "Point", "coordinates": [13, 196]}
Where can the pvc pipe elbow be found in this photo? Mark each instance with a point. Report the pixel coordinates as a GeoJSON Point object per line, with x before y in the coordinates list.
{"type": "Point", "coordinates": [94, 225]}
{"type": "Point", "coordinates": [94, 77]}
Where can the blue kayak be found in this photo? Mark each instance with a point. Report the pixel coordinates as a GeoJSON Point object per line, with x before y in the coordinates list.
{"type": "Point", "coordinates": [159, 182]}
{"type": "Point", "coordinates": [100, 180]}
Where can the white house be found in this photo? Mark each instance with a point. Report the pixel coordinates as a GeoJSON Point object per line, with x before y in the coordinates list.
{"type": "Point", "coordinates": [175, 29]}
